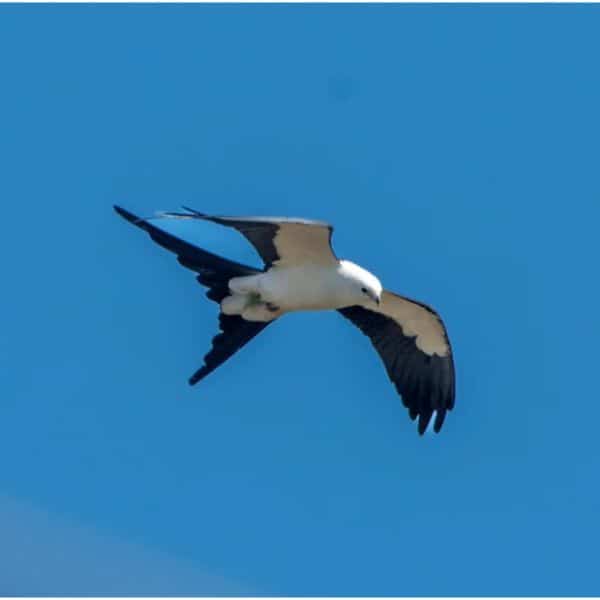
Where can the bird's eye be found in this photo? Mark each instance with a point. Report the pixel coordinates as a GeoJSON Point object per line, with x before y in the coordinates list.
{"type": "Point", "coordinates": [364, 290]}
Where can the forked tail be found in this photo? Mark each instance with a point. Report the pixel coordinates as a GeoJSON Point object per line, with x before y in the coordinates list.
{"type": "Point", "coordinates": [213, 272]}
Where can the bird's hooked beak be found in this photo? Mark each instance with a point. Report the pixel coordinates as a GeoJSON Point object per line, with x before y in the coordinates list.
{"type": "Point", "coordinates": [376, 298]}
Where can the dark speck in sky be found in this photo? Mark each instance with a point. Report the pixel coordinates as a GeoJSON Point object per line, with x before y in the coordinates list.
{"type": "Point", "coordinates": [341, 88]}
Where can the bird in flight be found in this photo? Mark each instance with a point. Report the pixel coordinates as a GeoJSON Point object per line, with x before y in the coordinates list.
{"type": "Point", "coordinates": [301, 272]}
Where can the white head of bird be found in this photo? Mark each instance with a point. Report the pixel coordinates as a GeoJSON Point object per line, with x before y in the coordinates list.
{"type": "Point", "coordinates": [364, 289]}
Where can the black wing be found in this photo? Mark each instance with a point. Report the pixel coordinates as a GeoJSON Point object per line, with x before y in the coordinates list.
{"type": "Point", "coordinates": [214, 272]}
{"type": "Point", "coordinates": [411, 340]}
{"type": "Point", "coordinates": [190, 256]}
{"type": "Point", "coordinates": [277, 239]}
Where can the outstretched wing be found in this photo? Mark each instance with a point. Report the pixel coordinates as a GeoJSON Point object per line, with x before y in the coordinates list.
{"type": "Point", "coordinates": [278, 240]}
{"type": "Point", "coordinates": [188, 255]}
{"type": "Point", "coordinates": [214, 272]}
{"type": "Point", "coordinates": [412, 341]}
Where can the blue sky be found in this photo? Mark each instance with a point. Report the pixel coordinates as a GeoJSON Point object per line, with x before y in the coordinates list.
{"type": "Point", "coordinates": [454, 148]}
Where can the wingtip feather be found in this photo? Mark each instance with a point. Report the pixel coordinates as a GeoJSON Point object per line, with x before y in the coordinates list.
{"type": "Point", "coordinates": [202, 372]}
{"type": "Point", "coordinates": [124, 213]}
{"type": "Point", "coordinates": [194, 211]}
{"type": "Point", "coordinates": [129, 216]}
{"type": "Point", "coordinates": [196, 377]}
{"type": "Point", "coordinates": [439, 420]}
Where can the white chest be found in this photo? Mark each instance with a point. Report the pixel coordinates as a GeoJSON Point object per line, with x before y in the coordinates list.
{"type": "Point", "coordinates": [307, 287]}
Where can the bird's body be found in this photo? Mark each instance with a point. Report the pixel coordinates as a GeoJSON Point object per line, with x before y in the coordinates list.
{"type": "Point", "coordinates": [302, 273]}
{"type": "Point", "coordinates": [301, 287]}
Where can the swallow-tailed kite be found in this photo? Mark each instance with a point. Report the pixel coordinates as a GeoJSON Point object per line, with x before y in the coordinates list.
{"type": "Point", "coordinates": [301, 272]}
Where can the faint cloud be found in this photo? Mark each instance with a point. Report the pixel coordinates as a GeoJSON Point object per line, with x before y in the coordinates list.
{"type": "Point", "coordinates": [45, 555]}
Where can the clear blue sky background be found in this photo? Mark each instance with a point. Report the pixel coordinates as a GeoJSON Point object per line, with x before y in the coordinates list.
{"type": "Point", "coordinates": [456, 151]}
